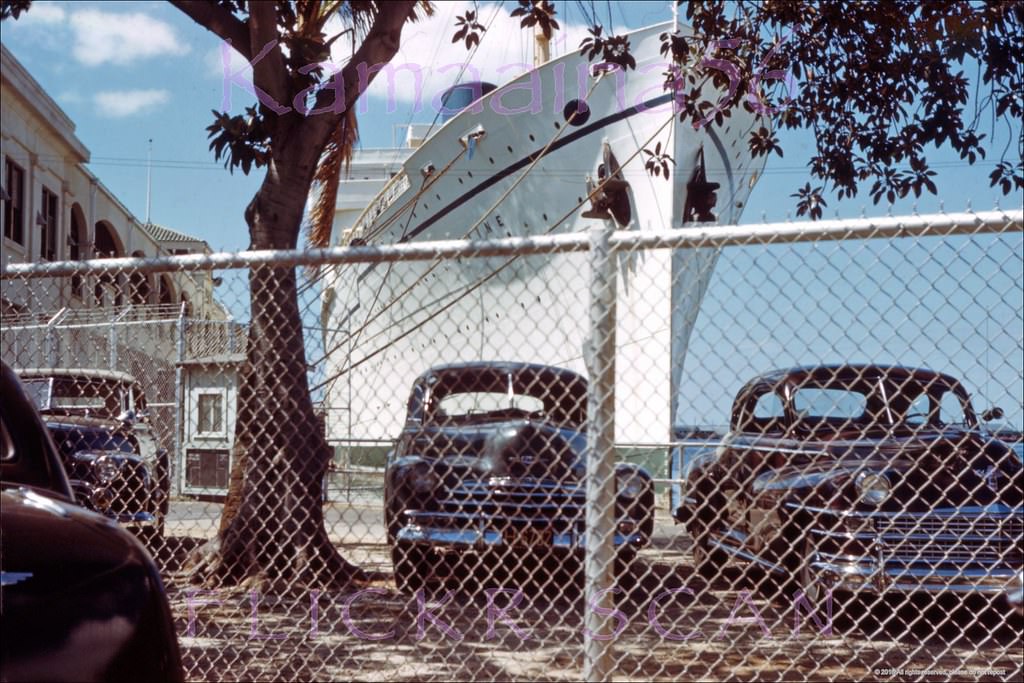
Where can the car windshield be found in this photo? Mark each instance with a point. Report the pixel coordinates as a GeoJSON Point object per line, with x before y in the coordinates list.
{"type": "Point", "coordinates": [871, 402]}
{"type": "Point", "coordinates": [76, 440]}
{"type": "Point", "coordinates": [492, 394]}
{"type": "Point", "coordinates": [485, 403]}
{"type": "Point", "coordinates": [78, 395]}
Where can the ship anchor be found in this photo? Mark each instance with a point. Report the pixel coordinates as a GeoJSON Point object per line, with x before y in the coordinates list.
{"type": "Point", "coordinates": [612, 200]}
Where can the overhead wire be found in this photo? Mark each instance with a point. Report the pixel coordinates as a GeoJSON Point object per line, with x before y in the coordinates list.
{"type": "Point", "coordinates": [471, 287]}
{"type": "Point", "coordinates": [437, 263]}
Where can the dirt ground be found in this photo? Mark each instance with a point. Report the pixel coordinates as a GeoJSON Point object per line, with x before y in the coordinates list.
{"type": "Point", "coordinates": [526, 623]}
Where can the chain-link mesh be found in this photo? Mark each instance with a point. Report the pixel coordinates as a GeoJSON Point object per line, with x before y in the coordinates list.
{"type": "Point", "coordinates": [772, 452]}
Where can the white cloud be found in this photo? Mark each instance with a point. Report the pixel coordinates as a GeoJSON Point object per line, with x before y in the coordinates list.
{"type": "Point", "coordinates": [43, 13]}
{"type": "Point", "coordinates": [122, 103]}
{"type": "Point", "coordinates": [121, 38]}
{"type": "Point", "coordinates": [235, 76]}
{"type": "Point", "coordinates": [505, 51]}
{"type": "Point", "coordinates": [427, 54]}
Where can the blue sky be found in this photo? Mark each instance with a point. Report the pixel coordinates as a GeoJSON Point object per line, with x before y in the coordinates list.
{"type": "Point", "coordinates": [129, 72]}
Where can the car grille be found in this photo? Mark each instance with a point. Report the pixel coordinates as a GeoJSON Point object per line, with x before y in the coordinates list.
{"type": "Point", "coordinates": [516, 502]}
{"type": "Point", "coordinates": [957, 539]}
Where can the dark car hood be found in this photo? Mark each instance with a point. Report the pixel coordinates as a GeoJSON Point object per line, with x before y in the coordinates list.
{"type": "Point", "coordinates": [74, 587]}
{"type": "Point", "coordinates": [928, 469]}
{"type": "Point", "coordinates": [514, 448]}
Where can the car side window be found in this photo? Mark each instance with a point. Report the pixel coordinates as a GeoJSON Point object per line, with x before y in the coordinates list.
{"type": "Point", "coordinates": [769, 406]}
{"type": "Point", "coordinates": [919, 411]}
{"type": "Point", "coordinates": [951, 409]}
{"type": "Point", "coordinates": [769, 414]}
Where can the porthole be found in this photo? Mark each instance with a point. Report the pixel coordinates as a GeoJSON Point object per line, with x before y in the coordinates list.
{"type": "Point", "coordinates": [580, 108]}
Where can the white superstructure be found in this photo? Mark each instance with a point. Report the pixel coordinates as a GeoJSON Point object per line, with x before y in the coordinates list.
{"type": "Point", "coordinates": [514, 163]}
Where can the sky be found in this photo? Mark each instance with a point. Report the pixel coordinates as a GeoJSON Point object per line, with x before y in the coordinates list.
{"type": "Point", "coordinates": [130, 72]}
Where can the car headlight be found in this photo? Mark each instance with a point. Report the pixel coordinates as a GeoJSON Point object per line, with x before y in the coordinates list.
{"type": "Point", "coordinates": [874, 488]}
{"type": "Point", "coordinates": [421, 478]}
{"type": "Point", "coordinates": [107, 469]}
{"type": "Point", "coordinates": [629, 484]}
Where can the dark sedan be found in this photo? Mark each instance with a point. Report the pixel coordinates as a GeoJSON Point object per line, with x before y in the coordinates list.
{"type": "Point", "coordinates": [108, 474]}
{"type": "Point", "coordinates": [80, 598]}
{"type": "Point", "coordinates": [859, 479]}
{"type": "Point", "coordinates": [492, 459]}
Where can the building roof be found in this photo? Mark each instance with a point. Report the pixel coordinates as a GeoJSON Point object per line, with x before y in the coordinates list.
{"type": "Point", "coordinates": [164, 234]}
{"type": "Point", "coordinates": [77, 373]}
{"type": "Point", "coordinates": [217, 360]}
{"type": "Point", "coordinates": [48, 111]}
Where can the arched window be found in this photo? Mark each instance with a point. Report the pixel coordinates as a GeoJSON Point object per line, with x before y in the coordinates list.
{"type": "Point", "coordinates": [165, 290]}
{"type": "Point", "coordinates": [78, 240]}
{"type": "Point", "coordinates": [138, 285]}
{"type": "Point", "coordinates": [108, 285]}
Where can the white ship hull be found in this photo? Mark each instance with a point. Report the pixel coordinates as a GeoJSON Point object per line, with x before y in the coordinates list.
{"type": "Point", "coordinates": [385, 323]}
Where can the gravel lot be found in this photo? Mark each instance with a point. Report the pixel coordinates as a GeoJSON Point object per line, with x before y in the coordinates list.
{"type": "Point", "coordinates": [725, 630]}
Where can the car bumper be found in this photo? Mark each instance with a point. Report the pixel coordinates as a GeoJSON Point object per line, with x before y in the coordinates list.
{"type": "Point", "coordinates": [483, 535]}
{"type": "Point", "coordinates": [870, 576]}
{"type": "Point", "coordinates": [103, 500]}
{"type": "Point", "coordinates": [958, 550]}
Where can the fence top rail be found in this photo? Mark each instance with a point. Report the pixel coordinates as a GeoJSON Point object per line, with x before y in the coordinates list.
{"type": "Point", "coordinates": [700, 235]}
{"type": "Point", "coordinates": [105, 316]}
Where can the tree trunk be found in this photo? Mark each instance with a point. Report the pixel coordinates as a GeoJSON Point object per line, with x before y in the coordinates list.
{"type": "Point", "coordinates": [272, 529]}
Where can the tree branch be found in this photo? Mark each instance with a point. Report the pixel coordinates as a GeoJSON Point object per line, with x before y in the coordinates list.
{"type": "Point", "coordinates": [220, 21]}
{"type": "Point", "coordinates": [270, 73]}
{"type": "Point", "coordinates": [378, 48]}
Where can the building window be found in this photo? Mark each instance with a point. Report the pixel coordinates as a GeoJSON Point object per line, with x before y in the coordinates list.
{"type": "Point", "coordinates": [14, 209]}
{"type": "Point", "coordinates": [48, 225]}
{"type": "Point", "coordinates": [210, 407]}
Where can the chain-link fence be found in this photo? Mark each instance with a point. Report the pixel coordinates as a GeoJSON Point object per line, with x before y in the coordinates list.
{"type": "Point", "coordinates": [785, 451]}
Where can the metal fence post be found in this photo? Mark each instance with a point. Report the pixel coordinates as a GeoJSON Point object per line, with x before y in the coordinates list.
{"type": "Point", "coordinates": [177, 465]}
{"type": "Point", "coordinates": [600, 507]}
{"type": "Point", "coordinates": [112, 340]}
{"type": "Point", "coordinates": [49, 338]}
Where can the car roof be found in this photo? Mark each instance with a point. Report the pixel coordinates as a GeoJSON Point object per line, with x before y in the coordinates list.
{"type": "Point", "coordinates": [501, 366]}
{"type": "Point", "coordinates": [69, 422]}
{"type": "Point", "coordinates": [92, 373]}
{"type": "Point", "coordinates": [852, 371]}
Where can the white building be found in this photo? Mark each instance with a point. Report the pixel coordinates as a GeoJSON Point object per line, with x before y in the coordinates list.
{"type": "Point", "coordinates": [56, 209]}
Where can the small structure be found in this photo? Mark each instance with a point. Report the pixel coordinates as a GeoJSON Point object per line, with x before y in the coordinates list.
{"type": "Point", "coordinates": [208, 393]}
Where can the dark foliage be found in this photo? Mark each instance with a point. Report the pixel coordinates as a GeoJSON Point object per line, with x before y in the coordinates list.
{"type": "Point", "coordinates": [469, 29]}
{"type": "Point", "coordinates": [537, 13]}
{"type": "Point", "coordinates": [658, 161]}
{"type": "Point", "coordinates": [612, 49]}
{"type": "Point", "coordinates": [880, 84]}
{"type": "Point", "coordinates": [12, 9]}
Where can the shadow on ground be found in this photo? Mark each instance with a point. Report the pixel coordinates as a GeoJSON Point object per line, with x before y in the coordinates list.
{"type": "Point", "coordinates": [524, 620]}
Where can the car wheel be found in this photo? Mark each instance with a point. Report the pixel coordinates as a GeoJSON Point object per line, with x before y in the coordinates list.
{"type": "Point", "coordinates": [414, 567]}
{"type": "Point", "coordinates": [811, 593]}
{"type": "Point", "coordinates": [707, 559]}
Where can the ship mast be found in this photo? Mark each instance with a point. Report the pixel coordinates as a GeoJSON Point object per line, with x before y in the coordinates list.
{"type": "Point", "coordinates": [541, 46]}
